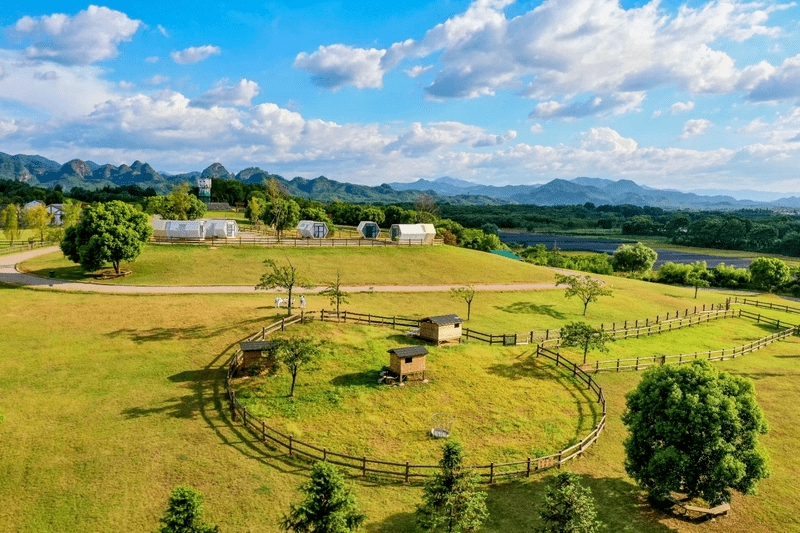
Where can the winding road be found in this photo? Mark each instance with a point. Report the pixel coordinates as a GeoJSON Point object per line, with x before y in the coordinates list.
{"type": "Point", "coordinates": [9, 273]}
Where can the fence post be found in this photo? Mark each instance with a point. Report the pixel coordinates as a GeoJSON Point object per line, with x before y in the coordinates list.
{"type": "Point", "coordinates": [290, 444]}
{"type": "Point", "coordinates": [491, 473]}
{"type": "Point", "coordinates": [528, 474]}
{"type": "Point", "coordinates": [283, 324]}
{"type": "Point", "coordinates": [406, 471]}
{"type": "Point", "coordinates": [263, 431]}
{"type": "Point", "coordinates": [324, 454]}
{"type": "Point", "coordinates": [364, 467]}
{"type": "Point", "coordinates": [302, 316]}
{"type": "Point", "coordinates": [263, 333]}
{"type": "Point", "coordinates": [394, 322]}
{"type": "Point", "coordinates": [560, 453]}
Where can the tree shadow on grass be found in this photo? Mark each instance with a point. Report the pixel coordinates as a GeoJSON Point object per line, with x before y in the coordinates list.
{"type": "Point", "coordinates": [368, 378]}
{"type": "Point", "coordinates": [193, 332]}
{"type": "Point", "coordinates": [527, 308]}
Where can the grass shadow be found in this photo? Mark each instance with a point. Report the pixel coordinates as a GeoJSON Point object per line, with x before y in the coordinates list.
{"type": "Point", "coordinates": [527, 308]}
{"type": "Point", "coordinates": [194, 332]}
{"type": "Point", "coordinates": [393, 523]}
{"type": "Point", "coordinates": [367, 378]}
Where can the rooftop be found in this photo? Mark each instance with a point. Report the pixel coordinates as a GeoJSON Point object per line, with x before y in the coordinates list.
{"type": "Point", "coordinates": [254, 346]}
{"type": "Point", "coordinates": [409, 351]}
{"type": "Point", "coordinates": [444, 320]}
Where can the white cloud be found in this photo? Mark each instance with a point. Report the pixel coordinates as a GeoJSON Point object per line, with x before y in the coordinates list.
{"type": "Point", "coordinates": [91, 35]}
{"type": "Point", "coordinates": [194, 54]}
{"type": "Point", "coordinates": [162, 30]}
{"type": "Point", "coordinates": [778, 83]}
{"type": "Point", "coordinates": [695, 127]}
{"type": "Point", "coordinates": [607, 140]}
{"type": "Point", "coordinates": [537, 128]}
{"type": "Point", "coordinates": [126, 85]}
{"type": "Point", "coordinates": [680, 107]}
{"type": "Point", "coordinates": [337, 65]}
{"type": "Point", "coordinates": [156, 79]}
{"type": "Point", "coordinates": [609, 104]}
{"type": "Point", "coordinates": [151, 59]}
{"type": "Point", "coordinates": [656, 114]}
{"type": "Point", "coordinates": [240, 94]}
{"type": "Point", "coordinates": [418, 71]}
{"type": "Point", "coordinates": [46, 76]}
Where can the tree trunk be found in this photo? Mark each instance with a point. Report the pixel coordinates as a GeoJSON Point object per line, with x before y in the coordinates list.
{"type": "Point", "coordinates": [469, 309]}
{"type": "Point", "coordinates": [116, 266]}
{"type": "Point", "coordinates": [294, 378]}
{"type": "Point", "coordinates": [695, 291]}
{"type": "Point", "coordinates": [289, 303]}
{"type": "Point", "coordinates": [585, 351]}
{"type": "Point", "coordinates": [585, 305]}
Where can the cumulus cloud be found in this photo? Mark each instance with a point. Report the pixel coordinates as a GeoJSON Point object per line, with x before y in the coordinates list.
{"type": "Point", "coordinates": [780, 83]}
{"type": "Point", "coordinates": [126, 85]}
{"type": "Point", "coordinates": [91, 35]}
{"type": "Point", "coordinates": [680, 107]}
{"type": "Point", "coordinates": [419, 140]}
{"type": "Point", "coordinates": [336, 66]}
{"type": "Point", "coordinates": [537, 128]}
{"type": "Point", "coordinates": [695, 127]}
{"type": "Point", "coordinates": [611, 104]}
{"type": "Point", "coordinates": [156, 79]}
{"type": "Point", "coordinates": [47, 75]}
{"type": "Point", "coordinates": [607, 140]}
{"type": "Point", "coordinates": [418, 71]}
{"type": "Point", "coordinates": [240, 94]}
{"type": "Point", "coordinates": [151, 59]}
{"type": "Point", "coordinates": [194, 54]}
{"type": "Point", "coordinates": [562, 49]}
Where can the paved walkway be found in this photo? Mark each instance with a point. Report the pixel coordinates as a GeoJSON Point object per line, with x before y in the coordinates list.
{"type": "Point", "coordinates": [10, 274]}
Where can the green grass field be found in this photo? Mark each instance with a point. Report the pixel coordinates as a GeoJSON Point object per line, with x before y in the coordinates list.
{"type": "Point", "coordinates": [233, 265]}
{"type": "Point", "coordinates": [109, 401]}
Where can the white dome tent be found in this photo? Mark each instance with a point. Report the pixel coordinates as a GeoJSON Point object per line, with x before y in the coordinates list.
{"type": "Point", "coordinates": [311, 229]}
{"type": "Point", "coordinates": [416, 233]}
{"type": "Point", "coordinates": [221, 228]}
{"type": "Point", "coordinates": [368, 229]}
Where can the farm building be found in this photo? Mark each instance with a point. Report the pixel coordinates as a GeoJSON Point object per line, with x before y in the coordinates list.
{"type": "Point", "coordinates": [421, 233]}
{"type": "Point", "coordinates": [368, 230]}
{"type": "Point", "coordinates": [253, 351]}
{"type": "Point", "coordinates": [57, 210]}
{"type": "Point", "coordinates": [310, 229]}
{"type": "Point", "coordinates": [442, 329]}
{"type": "Point", "coordinates": [221, 228]}
{"type": "Point", "coordinates": [406, 361]}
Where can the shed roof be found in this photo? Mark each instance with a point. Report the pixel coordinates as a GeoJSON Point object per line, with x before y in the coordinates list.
{"type": "Point", "coordinates": [409, 351]}
{"type": "Point", "coordinates": [444, 320]}
{"type": "Point", "coordinates": [254, 346]}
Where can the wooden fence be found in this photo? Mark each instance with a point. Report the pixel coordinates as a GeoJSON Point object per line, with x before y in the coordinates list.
{"type": "Point", "coordinates": [296, 242]}
{"type": "Point", "coordinates": [404, 470]}
{"type": "Point", "coordinates": [7, 248]}
{"type": "Point", "coordinates": [764, 305]}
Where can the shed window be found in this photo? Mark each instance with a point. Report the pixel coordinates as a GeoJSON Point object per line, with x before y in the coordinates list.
{"type": "Point", "coordinates": [408, 360]}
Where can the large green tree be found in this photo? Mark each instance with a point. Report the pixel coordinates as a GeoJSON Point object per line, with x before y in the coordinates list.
{"type": "Point", "coordinates": [451, 500]}
{"type": "Point", "coordinates": [694, 429]}
{"type": "Point", "coordinates": [769, 273]}
{"type": "Point", "coordinates": [586, 288]}
{"type": "Point", "coordinates": [185, 513]}
{"type": "Point", "coordinates": [294, 354]}
{"type": "Point", "coordinates": [568, 507]}
{"type": "Point", "coordinates": [37, 218]}
{"type": "Point", "coordinates": [10, 219]}
{"type": "Point", "coordinates": [177, 205]}
{"type": "Point", "coordinates": [329, 505]}
{"type": "Point", "coordinates": [112, 232]}
{"type": "Point", "coordinates": [585, 337]}
{"type": "Point", "coordinates": [637, 258]}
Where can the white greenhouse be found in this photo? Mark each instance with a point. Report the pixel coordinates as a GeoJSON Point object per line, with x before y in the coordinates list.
{"type": "Point", "coordinates": [310, 229]}
{"type": "Point", "coordinates": [420, 233]}
{"type": "Point", "coordinates": [368, 229]}
{"type": "Point", "coordinates": [185, 229]}
{"type": "Point", "coordinates": [221, 228]}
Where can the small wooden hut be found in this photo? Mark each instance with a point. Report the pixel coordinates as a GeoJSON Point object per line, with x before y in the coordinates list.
{"type": "Point", "coordinates": [444, 329]}
{"type": "Point", "coordinates": [407, 360]}
{"type": "Point", "coordinates": [253, 351]}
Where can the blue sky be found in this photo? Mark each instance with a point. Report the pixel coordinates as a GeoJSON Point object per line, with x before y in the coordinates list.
{"type": "Point", "coordinates": [697, 95]}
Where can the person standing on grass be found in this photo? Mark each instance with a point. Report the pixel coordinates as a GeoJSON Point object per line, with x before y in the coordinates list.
{"type": "Point", "coordinates": [278, 302]}
{"type": "Point", "coordinates": [302, 302]}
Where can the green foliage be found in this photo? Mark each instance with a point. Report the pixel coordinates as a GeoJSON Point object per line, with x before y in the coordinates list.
{"type": "Point", "coordinates": [450, 499]}
{"type": "Point", "coordinates": [769, 273]}
{"type": "Point", "coordinates": [637, 258]}
{"type": "Point", "coordinates": [255, 209]}
{"type": "Point", "coordinates": [185, 513]}
{"type": "Point", "coordinates": [113, 232]}
{"type": "Point", "coordinates": [284, 277]}
{"type": "Point", "coordinates": [465, 293]}
{"type": "Point", "coordinates": [293, 354]}
{"type": "Point", "coordinates": [177, 205]}
{"type": "Point", "coordinates": [586, 288]}
{"type": "Point", "coordinates": [329, 505]}
{"type": "Point", "coordinates": [71, 213]}
{"type": "Point", "coordinates": [584, 336]}
{"type": "Point", "coordinates": [568, 507]}
{"type": "Point", "coordinates": [695, 430]}
{"type": "Point", "coordinates": [37, 218]}
{"type": "Point", "coordinates": [10, 219]}
{"type": "Point", "coordinates": [696, 280]}
{"type": "Point", "coordinates": [335, 293]}
{"type": "Point", "coordinates": [540, 255]}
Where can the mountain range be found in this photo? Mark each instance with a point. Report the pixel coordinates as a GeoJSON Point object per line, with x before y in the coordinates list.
{"type": "Point", "coordinates": [38, 170]}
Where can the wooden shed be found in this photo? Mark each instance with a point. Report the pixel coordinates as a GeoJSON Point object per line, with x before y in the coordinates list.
{"type": "Point", "coordinates": [444, 329]}
{"type": "Point", "coordinates": [407, 360]}
{"type": "Point", "coordinates": [253, 351]}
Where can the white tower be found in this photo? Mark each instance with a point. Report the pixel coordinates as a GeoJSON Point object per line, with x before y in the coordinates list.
{"type": "Point", "coordinates": [204, 184]}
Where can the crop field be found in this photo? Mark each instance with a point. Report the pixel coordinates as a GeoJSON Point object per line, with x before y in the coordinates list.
{"type": "Point", "coordinates": [112, 400]}
{"type": "Point", "coordinates": [203, 265]}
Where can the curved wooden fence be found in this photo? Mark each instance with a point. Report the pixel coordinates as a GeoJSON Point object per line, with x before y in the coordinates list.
{"type": "Point", "coordinates": [405, 470]}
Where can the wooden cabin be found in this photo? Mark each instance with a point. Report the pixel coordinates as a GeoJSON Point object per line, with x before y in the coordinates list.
{"type": "Point", "coordinates": [444, 329]}
{"type": "Point", "coordinates": [253, 351]}
{"type": "Point", "coordinates": [408, 360]}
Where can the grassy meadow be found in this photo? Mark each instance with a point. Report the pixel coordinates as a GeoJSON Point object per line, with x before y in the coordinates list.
{"type": "Point", "coordinates": [175, 264]}
{"type": "Point", "coordinates": [109, 401]}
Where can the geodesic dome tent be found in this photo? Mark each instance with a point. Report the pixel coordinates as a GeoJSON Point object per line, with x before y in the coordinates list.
{"type": "Point", "coordinates": [421, 233]}
{"type": "Point", "coordinates": [311, 229]}
{"type": "Point", "coordinates": [368, 229]}
{"type": "Point", "coordinates": [185, 229]}
{"type": "Point", "coordinates": [221, 228]}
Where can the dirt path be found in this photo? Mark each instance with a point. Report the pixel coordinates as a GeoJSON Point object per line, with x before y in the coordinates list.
{"type": "Point", "coordinates": [10, 274]}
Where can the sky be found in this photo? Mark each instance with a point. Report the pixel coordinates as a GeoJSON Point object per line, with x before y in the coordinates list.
{"type": "Point", "coordinates": [698, 95]}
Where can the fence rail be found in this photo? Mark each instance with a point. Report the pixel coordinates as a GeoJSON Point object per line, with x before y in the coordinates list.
{"type": "Point", "coordinates": [7, 248]}
{"type": "Point", "coordinates": [764, 305]}
{"type": "Point", "coordinates": [405, 470]}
